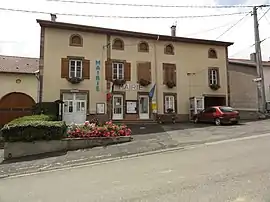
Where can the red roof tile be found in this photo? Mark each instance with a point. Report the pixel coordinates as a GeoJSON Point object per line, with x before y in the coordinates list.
{"type": "Point", "coordinates": [14, 64]}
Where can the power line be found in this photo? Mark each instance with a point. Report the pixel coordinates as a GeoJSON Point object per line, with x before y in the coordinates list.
{"type": "Point", "coordinates": [264, 14]}
{"type": "Point", "coordinates": [123, 17]}
{"type": "Point", "coordinates": [233, 25]}
{"type": "Point", "coordinates": [208, 30]}
{"type": "Point", "coordinates": [157, 5]}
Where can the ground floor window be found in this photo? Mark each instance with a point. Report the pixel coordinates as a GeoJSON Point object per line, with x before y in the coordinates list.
{"type": "Point", "coordinates": [169, 103]}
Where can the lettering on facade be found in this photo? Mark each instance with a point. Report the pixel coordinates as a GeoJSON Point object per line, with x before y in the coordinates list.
{"type": "Point", "coordinates": [131, 87]}
{"type": "Point", "coordinates": [97, 75]}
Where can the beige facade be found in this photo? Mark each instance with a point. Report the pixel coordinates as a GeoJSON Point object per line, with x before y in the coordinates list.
{"type": "Point", "coordinates": [19, 86]}
{"type": "Point", "coordinates": [194, 70]}
{"type": "Point", "coordinates": [24, 83]}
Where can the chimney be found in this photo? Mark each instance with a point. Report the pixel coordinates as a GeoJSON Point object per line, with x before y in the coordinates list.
{"type": "Point", "coordinates": [53, 17]}
{"type": "Point", "coordinates": [173, 30]}
{"type": "Point", "coordinates": [253, 57]}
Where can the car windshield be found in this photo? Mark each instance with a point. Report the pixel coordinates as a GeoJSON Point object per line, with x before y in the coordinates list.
{"type": "Point", "coordinates": [226, 109]}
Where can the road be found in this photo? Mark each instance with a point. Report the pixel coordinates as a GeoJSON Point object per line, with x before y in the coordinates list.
{"type": "Point", "coordinates": [225, 171]}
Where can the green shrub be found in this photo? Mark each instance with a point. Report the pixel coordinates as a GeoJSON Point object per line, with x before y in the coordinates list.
{"type": "Point", "coordinates": [41, 117]}
{"type": "Point", "coordinates": [48, 108]}
{"type": "Point", "coordinates": [28, 131]}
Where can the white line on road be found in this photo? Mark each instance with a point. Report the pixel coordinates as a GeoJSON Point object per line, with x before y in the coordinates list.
{"type": "Point", "coordinates": [104, 161]}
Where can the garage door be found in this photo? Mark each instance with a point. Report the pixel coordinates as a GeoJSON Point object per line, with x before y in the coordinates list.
{"type": "Point", "coordinates": [15, 105]}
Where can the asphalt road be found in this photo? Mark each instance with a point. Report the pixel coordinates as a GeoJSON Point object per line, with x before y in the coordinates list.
{"type": "Point", "coordinates": [231, 171]}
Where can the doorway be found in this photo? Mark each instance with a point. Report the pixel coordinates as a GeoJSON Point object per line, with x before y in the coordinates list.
{"type": "Point", "coordinates": [210, 101]}
{"type": "Point", "coordinates": [118, 109]}
{"type": "Point", "coordinates": [143, 106]}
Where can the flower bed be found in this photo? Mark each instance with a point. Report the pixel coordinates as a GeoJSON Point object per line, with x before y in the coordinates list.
{"type": "Point", "coordinates": [91, 130]}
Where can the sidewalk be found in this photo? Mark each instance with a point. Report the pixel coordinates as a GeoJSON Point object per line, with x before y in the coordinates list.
{"type": "Point", "coordinates": [177, 135]}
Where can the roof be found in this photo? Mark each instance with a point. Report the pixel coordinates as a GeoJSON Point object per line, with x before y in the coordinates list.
{"type": "Point", "coordinates": [20, 65]}
{"type": "Point", "coordinates": [100, 30]}
{"type": "Point", "coordinates": [247, 62]}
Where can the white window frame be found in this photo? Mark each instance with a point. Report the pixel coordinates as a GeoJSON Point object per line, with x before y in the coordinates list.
{"type": "Point", "coordinates": [213, 77]}
{"type": "Point", "coordinates": [170, 104]}
{"type": "Point", "coordinates": [76, 66]}
{"type": "Point", "coordinates": [118, 67]}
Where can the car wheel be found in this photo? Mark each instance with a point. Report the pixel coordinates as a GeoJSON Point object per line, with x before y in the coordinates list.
{"type": "Point", "coordinates": [217, 122]}
{"type": "Point", "coordinates": [196, 120]}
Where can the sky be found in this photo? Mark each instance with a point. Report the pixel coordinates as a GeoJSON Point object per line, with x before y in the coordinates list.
{"type": "Point", "coordinates": [19, 33]}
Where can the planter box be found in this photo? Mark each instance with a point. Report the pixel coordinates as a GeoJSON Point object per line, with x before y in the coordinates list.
{"type": "Point", "coordinates": [23, 149]}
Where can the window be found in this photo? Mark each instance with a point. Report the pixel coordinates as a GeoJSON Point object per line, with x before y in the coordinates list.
{"type": "Point", "coordinates": [169, 49]}
{"type": "Point", "coordinates": [75, 68]}
{"type": "Point", "coordinates": [118, 44]}
{"type": "Point", "coordinates": [76, 40]}
{"type": "Point", "coordinates": [210, 110]}
{"type": "Point", "coordinates": [226, 109]}
{"type": "Point", "coordinates": [213, 77]}
{"type": "Point", "coordinates": [212, 53]}
{"type": "Point", "coordinates": [118, 71]}
{"type": "Point", "coordinates": [143, 47]}
{"type": "Point", "coordinates": [169, 103]}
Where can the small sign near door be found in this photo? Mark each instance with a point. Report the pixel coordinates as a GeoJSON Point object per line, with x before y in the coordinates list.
{"type": "Point", "coordinates": [131, 107]}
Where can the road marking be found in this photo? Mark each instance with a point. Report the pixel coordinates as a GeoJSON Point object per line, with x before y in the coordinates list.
{"type": "Point", "coordinates": [116, 159]}
{"type": "Point", "coordinates": [238, 139]}
{"type": "Point", "coordinates": [240, 199]}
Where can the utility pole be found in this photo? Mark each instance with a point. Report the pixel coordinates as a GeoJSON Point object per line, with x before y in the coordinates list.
{"type": "Point", "coordinates": [259, 66]}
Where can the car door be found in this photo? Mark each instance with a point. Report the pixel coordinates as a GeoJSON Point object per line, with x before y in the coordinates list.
{"type": "Point", "coordinates": [208, 115]}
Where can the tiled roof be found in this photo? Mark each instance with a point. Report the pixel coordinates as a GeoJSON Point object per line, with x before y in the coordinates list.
{"type": "Point", "coordinates": [14, 64]}
{"type": "Point", "coordinates": [247, 62]}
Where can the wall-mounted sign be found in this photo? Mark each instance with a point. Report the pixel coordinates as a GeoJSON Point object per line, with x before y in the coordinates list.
{"type": "Point", "coordinates": [97, 75]}
{"type": "Point", "coordinates": [100, 108]}
{"type": "Point", "coordinates": [131, 107]}
{"type": "Point", "coordinates": [131, 87]}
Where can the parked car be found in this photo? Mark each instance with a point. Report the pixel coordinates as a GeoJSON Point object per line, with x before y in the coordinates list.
{"type": "Point", "coordinates": [217, 115]}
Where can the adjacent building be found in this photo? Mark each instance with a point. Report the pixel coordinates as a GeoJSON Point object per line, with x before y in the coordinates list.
{"type": "Point", "coordinates": [243, 94]}
{"type": "Point", "coordinates": [19, 86]}
{"type": "Point", "coordinates": [84, 65]}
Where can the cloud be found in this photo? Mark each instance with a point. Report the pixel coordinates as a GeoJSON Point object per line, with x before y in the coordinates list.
{"type": "Point", "coordinates": [23, 29]}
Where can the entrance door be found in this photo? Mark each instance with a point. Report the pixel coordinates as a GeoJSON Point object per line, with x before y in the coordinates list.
{"type": "Point", "coordinates": [74, 108]}
{"type": "Point", "coordinates": [144, 107]}
{"type": "Point", "coordinates": [118, 107]}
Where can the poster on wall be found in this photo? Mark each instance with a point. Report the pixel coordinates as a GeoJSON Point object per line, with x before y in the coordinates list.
{"type": "Point", "coordinates": [131, 107]}
{"type": "Point", "coordinates": [100, 108]}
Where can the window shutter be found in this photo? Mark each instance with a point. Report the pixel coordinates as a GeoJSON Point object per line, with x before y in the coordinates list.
{"type": "Point", "coordinates": [209, 77]}
{"type": "Point", "coordinates": [166, 73]}
{"type": "Point", "coordinates": [108, 70]}
{"type": "Point", "coordinates": [127, 71]}
{"type": "Point", "coordinates": [173, 74]}
{"type": "Point", "coordinates": [139, 71]}
{"type": "Point", "coordinates": [86, 69]}
{"type": "Point", "coordinates": [148, 71]}
{"type": "Point", "coordinates": [64, 68]}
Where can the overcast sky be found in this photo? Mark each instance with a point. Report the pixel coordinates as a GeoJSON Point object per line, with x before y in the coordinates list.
{"type": "Point", "coordinates": [19, 33]}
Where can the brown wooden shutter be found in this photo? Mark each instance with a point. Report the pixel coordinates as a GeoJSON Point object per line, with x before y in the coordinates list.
{"type": "Point", "coordinates": [173, 74]}
{"type": "Point", "coordinates": [165, 73]}
{"type": "Point", "coordinates": [86, 69]}
{"type": "Point", "coordinates": [148, 71]}
{"type": "Point", "coordinates": [139, 71]}
{"type": "Point", "coordinates": [64, 68]}
{"type": "Point", "coordinates": [127, 71]}
{"type": "Point", "coordinates": [108, 70]}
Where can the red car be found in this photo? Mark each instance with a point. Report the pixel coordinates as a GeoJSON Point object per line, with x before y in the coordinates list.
{"type": "Point", "coordinates": [217, 115]}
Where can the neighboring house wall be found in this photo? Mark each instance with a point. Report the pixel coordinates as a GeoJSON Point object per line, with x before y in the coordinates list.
{"type": "Point", "coordinates": [186, 58]}
{"type": "Point", "coordinates": [24, 83]}
{"type": "Point", "coordinates": [243, 90]}
{"type": "Point", "coordinates": [266, 71]}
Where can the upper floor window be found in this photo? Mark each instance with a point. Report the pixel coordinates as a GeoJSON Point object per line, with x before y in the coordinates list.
{"type": "Point", "coordinates": [118, 44]}
{"type": "Point", "coordinates": [213, 76]}
{"type": "Point", "coordinates": [75, 68]}
{"type": "Point", "coordinates": [212, 53]}
{"type": "Point", "coordinates": [143, 47]}
{"type": "Point", "coordinates": [118, 71]}
{"type": "Point", "coordinates": [76, 40]}
{"type": "Point", "coordinates": [169, 49]}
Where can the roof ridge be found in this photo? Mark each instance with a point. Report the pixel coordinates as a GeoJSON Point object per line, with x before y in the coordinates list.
{"type": "Point", "coordinates": [13, 56]}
